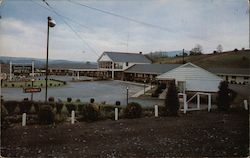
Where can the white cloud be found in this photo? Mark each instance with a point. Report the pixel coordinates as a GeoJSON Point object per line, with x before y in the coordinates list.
{"type": "Point", "coordinates": [188, 22]}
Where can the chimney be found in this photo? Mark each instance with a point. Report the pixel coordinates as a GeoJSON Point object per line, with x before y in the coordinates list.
{"type": "Point", "coordinates": [140, 52]}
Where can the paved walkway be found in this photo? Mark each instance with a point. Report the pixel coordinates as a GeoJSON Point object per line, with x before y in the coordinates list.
{"type": "Point", "coordinates": [141, 92]}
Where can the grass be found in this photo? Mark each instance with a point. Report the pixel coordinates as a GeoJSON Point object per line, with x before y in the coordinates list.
{"type": "Point", "coordinates": [38, 83]}
{"type": "Point", "coordinates": [240, 59]}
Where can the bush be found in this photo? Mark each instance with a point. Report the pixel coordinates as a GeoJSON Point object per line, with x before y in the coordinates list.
{"type": "Point", "coordinates": [71, 107]}
{"type": "Point", "coordinates": [80, 107]}
{"type": "Point", "coordinates": [46, 115]}
{"type": "Point", "coordinates": [108, 108]}
{"type": "Point", "coordinates": [69, 100]}
{"type": "Point", "coordinates": [78, 100]}
{"type": "Point", "coordinates": [10, 106]}
{"type": "Point", "coordinates": [90, 113]}
{"type": "Point", "coordinates": [59, 107]}
{"type": "Point", "coordinates": [225, 96]}
{"type": "Point", "coordinates": [4, 123]}
{"type": "Point", "coordinates": [133, 110]}
{"type": "Point", "coordinates": [51, 99]}
{"type": "Point", "coordinates": [172, 100]}
{"type": "Point", "coordinates": [25, 106]}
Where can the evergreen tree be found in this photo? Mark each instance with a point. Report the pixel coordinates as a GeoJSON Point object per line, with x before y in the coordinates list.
{"type": "Point", "coordinates": [223, 98]}
{"type": "Point", "coordinates": [172, 101]}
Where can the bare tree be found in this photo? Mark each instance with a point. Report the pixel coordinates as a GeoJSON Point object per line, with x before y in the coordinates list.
{"type": "Point", "coordinates": [196, 50]}
{"type": "Point", "coordinates": [219, 48]}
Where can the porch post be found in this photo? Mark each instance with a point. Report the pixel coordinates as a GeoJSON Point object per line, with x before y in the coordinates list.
{"type": "Point", "coordinates": [113, 65]}
{"type": "Point", "coordinates": [198, 101]}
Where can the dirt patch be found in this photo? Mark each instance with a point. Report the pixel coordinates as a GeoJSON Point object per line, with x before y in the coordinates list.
{"type": "Point", "coordinates": [194, 134]}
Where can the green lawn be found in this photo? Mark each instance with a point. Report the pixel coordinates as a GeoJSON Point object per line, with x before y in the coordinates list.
{"type": "Point", "coordinates": [38, 83]}
{"type": "Point", "coordinates": [240, 59]}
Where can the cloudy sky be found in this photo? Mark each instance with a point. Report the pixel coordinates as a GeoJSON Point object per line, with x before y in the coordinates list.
{"type": "Point", "coordinates": [86, 28]}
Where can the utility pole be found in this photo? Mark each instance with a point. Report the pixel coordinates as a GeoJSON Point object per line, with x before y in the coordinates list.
{"type": "Point", "coordinates": [183, 56]}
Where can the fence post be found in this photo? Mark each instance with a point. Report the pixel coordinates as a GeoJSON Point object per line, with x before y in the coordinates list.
{"type": "Point", "coordinates": [156, 111]}
{"type": "Point", "coordinates": [245, 105]}
{"type": "Point", "coordinates": [209, 103]}
{"type": "Point", "coordinates": [185, 103]}
{"type": "Point", "coordinates": [24, 119]}
{"type": "Point", "coordinates": [72, 117]}
{"type": "Point", "coordinates": [116, 114]}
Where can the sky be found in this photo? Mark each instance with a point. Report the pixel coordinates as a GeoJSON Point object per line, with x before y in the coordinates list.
{"type": "Point", "coordinates": [85, 29]}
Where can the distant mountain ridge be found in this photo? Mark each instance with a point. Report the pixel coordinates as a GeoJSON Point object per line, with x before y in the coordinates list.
{"type": "Point", "coordinates": [40, 63]}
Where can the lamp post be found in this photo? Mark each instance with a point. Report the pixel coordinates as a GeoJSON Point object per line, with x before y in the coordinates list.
{"type": "Point", "coordinates": [144, 86]}
{"type": "Point", "coordinates": [32, 85]}
{"type": "Point", "coordinates": [127, 96]}
{"type": "Point", "coordinates": [51, 23]}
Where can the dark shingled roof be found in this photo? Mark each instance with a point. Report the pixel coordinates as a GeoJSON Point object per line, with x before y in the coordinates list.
{"type": "Point", "coordinates": [152, 68]}
{"type": "Point", "coordinates": [127, 57]}
{"type": "Point", "coordinates": [236, 71]}
{"type": "Point", "coordinates": [73, 66]}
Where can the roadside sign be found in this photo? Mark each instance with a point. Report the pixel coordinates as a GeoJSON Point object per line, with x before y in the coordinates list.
{"type": "Point", "coordinates": [31, 90]}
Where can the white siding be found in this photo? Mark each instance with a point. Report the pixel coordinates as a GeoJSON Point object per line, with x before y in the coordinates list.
{"type": "Point", "coordinates": [196, 78]}
{"type": "Point", "coordinates": [105, 58]}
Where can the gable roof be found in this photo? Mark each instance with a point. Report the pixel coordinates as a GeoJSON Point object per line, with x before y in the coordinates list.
{"type": "Point", "coordinates": [126, 57]}
{"type": "Point", "coordinates": [189, 71]}
{"type": "Point", "coordinates": [151, 68]}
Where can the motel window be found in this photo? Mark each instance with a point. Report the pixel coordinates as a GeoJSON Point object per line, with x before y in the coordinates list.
{"type": "Point", "coordinates": [233, 77]}
{"type": "Point", "coordinates": [126, 63]}
{"type": "Point", "coordinates": [246, 78]}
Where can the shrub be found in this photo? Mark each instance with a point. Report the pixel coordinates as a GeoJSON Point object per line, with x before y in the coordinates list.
{"type": "Point", "coordinates": [108, 108]}
{"type": "Point", "coordinates": [13, 85]}
{"type": "Point", "coordinates": [80, 107]}
{"type": "Point", "coordinates": [51, 99]}
{"type": "Point", "coordinates": [69, 100]}
{"type": "Point", "coordinates": [4, 123]}
{"type": "Point", "coordinates": [78, 100]}
{"type": "Point", "coordinates": [46, 115]}
{"type": "Point", "coordinates": [10, 106]}
{"type": "Point", "coordinates": [224, 96]}
{"type": "Point", "coordinates": [133, 110]}
{"type": "Point", "coordinates": [25, 99]}
{"type": "Point", "coordinates": [71, 107]}
{"type": "Point", "coordinates": [4, 112]}
{"type": "Point", "coordinates": [25, 106]}
{"type": "Point", "coordinates": [59, 107]}
{"type": "Point", "coordinates": [50, 84]}
{"type": "Point", "coordinates": [172, 101]}
{"type": "Point", "coordinates": [90, 113]}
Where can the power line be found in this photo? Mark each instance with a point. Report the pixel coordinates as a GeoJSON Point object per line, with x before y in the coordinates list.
{"type": "Point", "coordinates": [74, 21]}
{"type": "Point", "coordinates": [121, 16]}
{"type": "Point", "coordinates": [76, 33]}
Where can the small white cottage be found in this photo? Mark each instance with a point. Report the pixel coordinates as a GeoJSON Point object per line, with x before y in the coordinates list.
{"type": "Point", "coordinates": [189, 77]}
